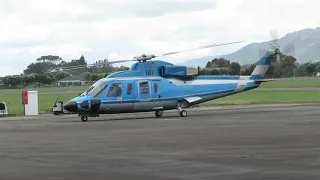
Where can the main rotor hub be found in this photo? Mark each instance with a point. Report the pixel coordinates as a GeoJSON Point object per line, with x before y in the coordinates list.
{"type": "Point", "coordinates": [144, 57]}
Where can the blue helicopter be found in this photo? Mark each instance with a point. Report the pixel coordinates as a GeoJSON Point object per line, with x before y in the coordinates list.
{"type": "Point", "coordinates": [155, 85]}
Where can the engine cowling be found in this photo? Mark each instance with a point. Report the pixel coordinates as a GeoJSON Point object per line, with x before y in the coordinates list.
{"type": "Point", "coordinates": [180, 71]}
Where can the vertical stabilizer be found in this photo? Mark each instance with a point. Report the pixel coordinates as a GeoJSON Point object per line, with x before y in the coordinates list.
{"type": "Point", "coordinates": [263, 64]}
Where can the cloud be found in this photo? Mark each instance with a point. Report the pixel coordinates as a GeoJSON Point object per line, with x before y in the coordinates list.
{"type": "Point", "coordinates": [124, 29]}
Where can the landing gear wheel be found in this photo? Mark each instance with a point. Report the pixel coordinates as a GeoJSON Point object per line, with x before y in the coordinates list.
{"type": "Point", "coordinates": [84, 118]}
{"type": "Point", "coordinates": [183, 113]}
{"type": "Point", "coordinates": [159, 113]}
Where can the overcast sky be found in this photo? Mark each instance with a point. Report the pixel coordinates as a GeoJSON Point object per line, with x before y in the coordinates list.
{"type": "Point", "coordinates": [120, 29]}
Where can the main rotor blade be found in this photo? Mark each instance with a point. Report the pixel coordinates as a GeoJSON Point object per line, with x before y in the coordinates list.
{"type": "Point", "coordinates": [119, 61]}
{"type": "Point", "coordinates": [201, 47]}
{"type": "Point", "coordinates": [88, 65]}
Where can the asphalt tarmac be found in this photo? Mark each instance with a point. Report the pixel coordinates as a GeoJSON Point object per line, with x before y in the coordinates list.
{"type": "Point", "coordinates": [268, 142]}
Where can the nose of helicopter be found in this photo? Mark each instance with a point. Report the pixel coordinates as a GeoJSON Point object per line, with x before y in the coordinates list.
{"type": "Point", "coordinates": [71, 106]}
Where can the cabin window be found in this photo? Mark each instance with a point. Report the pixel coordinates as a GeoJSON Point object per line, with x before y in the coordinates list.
{"type": "Point", "coordinates": [129, 89]}
{"type": "Point", "coordinates": [115, 90]}
{"type": "Point", "coordinates": [144, 87]}
{"type": "Point", "coordinates": [155, 87]}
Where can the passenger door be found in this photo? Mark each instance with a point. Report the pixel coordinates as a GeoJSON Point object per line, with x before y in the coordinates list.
{"type": "Point", "coordinates": [156, 95]}
{"type": "Point", "coordinates": [143, 102]}
{"type": "Point", "coordinates": [144, 90]}
{"type": "Point", "coordinates": [128, 97]}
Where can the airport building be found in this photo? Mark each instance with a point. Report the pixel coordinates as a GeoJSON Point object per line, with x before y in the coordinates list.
{"type": "Point", "coordinates": [77, 80]}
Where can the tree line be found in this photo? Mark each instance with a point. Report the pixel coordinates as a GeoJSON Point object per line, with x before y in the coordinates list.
{"type": "Point", "coordinates": [287, 67]}
{"type": "Point", "coordinates": [39, 73]}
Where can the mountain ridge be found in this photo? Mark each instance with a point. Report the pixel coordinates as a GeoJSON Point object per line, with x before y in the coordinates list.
{"type": "Point", "coordinates": [303, 44]}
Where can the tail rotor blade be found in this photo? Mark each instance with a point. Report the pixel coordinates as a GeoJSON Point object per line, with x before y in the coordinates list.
{"type": "Point", "coordinates": [278, 58]}
{"type": "Point", "coordinates": [274, 36]}
{"type": "Point", "coordinates": [289, 49]}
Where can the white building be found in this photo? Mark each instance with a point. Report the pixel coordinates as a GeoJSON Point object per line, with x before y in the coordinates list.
{"type": "Point", "coordinates": [77, 80]}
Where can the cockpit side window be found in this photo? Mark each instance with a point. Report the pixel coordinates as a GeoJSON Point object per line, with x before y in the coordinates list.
{"type": "Point", "coordinates": [115, 90]}
{"type": "Point", "coordinates": [101, 92]}
{"type": "Point", "coordinates": [97, 88]}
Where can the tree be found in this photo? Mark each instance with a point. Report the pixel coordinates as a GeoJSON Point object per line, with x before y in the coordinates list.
{"type": "Point", "coordinates": [209, 64]}
{"type": "Point", "coordinates": [235, 67]}
{"type": "Point", "coordinates": [28, 79]}
{"type": "Point", "coordinates": [39, 67]}
{"type": "Point", "coordinates": [41, 78]}
{"type": "Point", "coordinates": [88, 76]}
{"type": "Point", "coordinates": [61, 75]}
{"type": "Point", "coordinates": [50, 58]}
{"type": "Point", "coordinates": [12, 80]}
{"type": "Point", "coordinates": [271, 71]}
{"type": "Point", "coordinates": [96, 77]}
{"type": "Point", "coordinates": [221, 62]}
{"type": "Point", "coordinates": [288, 65]}
{"type": "Point", "coordinates": [82, 61]}
{"type": "Point", "coordinates": [311, 69]}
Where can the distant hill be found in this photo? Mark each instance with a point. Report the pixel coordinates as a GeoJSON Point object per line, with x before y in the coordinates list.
{"type": "Point", "coordinates": [306, 44]}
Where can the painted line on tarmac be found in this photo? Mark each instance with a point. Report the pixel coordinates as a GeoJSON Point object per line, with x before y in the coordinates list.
{"type": "Point", "coordinates": [168, 119]}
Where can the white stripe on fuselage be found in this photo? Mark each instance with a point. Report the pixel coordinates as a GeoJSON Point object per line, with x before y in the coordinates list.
{"type": "Point", "coordinates": [241, 85]}
{"type": "Point", "coordinates": [242, 80]}
{"type": "Point", "coordinates": [208, 82]}
{"type": "Point", "coordinates": [159, 77]}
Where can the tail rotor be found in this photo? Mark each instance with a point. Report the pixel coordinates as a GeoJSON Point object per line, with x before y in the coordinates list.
{"type": "Point", "coordinates": [277, 50]}
{"type": "Point", "coordinates": [272, 56]}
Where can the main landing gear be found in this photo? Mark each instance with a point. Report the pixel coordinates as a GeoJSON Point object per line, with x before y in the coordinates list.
{"type": "Point", "coordinates": [84, 118]}
{"type": "Point", "coordinates": [182, 112]}
{"type": "Point", "coordinates": [159, 113]}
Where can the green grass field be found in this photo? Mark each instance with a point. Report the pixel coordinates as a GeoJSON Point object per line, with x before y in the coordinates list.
{"type": "Point", "coordinates": [301, 82]}
{"type": "Point", "coordinates": [47, 96]}
{"type": "Point", "coordinates": [267, 97]}
{"type": "Point", "coordinates": [46, 101]}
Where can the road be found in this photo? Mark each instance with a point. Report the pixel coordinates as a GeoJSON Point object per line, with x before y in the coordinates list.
{"type": "Point", "coordinates": [267, 142]}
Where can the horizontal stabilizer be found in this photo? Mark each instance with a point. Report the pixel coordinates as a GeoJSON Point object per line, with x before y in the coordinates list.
{"type": "Point", "coordinates": [264, 80]}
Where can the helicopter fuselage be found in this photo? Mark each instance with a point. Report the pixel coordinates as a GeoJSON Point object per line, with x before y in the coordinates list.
{"type": "Point", "coordinates": [154, 93]}
{"type": "Point", "coordinates": [159, 85]}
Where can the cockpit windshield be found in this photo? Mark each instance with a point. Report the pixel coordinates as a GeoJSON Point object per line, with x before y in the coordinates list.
{"type": "Point", "coordinates": [96, 88]}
